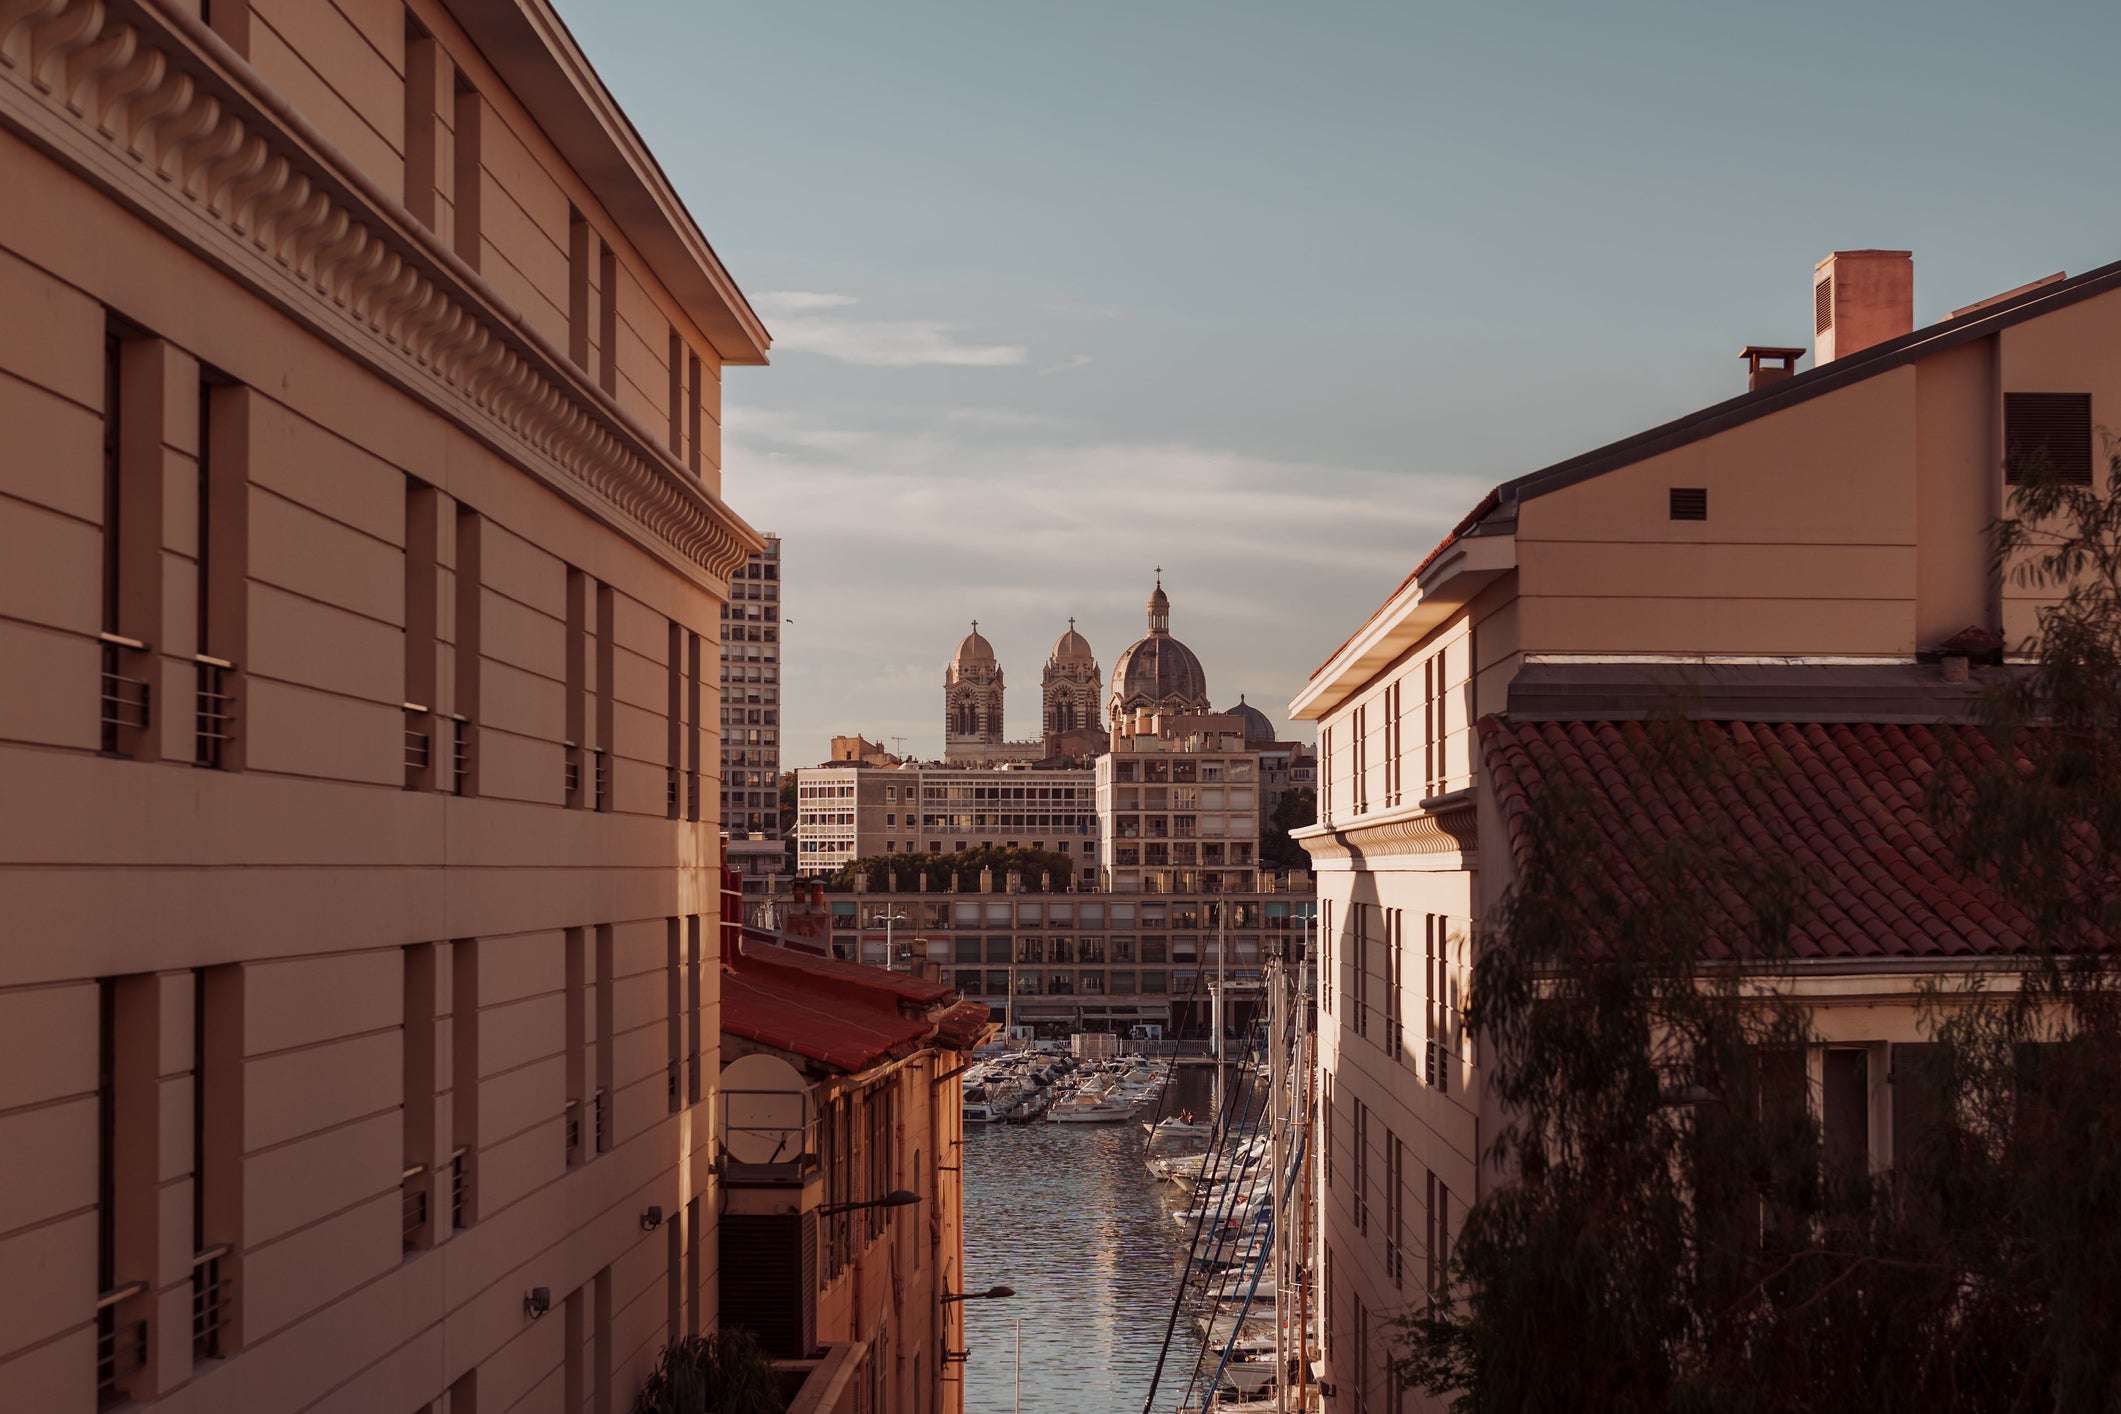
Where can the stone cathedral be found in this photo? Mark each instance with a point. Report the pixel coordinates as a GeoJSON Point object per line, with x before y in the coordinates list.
{"type": "Point", "coordinates": [1156, 672]}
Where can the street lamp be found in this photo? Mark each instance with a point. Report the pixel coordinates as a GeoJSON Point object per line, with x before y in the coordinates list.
{"type": "Point", "coordinates": [890, 957]}
{"type": "Point", "coordinates": [992, 1293]}
{"type": "Point", "coordinates": [896, 1198]}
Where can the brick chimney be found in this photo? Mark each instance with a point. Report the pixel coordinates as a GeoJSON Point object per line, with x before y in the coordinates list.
{"type": "Point", "coordinates": [1765, 364]}
{"type": "Point", "coordinates": [1860, 298]}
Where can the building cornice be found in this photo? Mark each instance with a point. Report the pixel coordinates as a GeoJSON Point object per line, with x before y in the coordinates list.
{"type": "Point", "coordinates": [1413, 830]}
{"type": "Point", "coordinates": [530, 47]}
{"type": "Point", "coordinates": [142, 100]}
{"type": "Point", "coordinates": [1460, 569]}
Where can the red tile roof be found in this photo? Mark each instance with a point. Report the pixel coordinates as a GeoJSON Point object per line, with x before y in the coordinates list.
{"type": "Point", "coordinates": [840, 1014]}
{"type": "Point", "coordinates": [1842, 801]}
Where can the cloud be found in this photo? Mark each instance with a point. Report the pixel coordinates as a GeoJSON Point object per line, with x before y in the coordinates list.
{"type": "Point", "coordinates": [892, 343]}
{"type": "Point", "coordinates": [875, 343]}
{"type": "Point", "coordinates": [893, 537]}
{"type": "Point", "coordinates": [1071, 362]}
{"type": "Point", "coordinates": [796, 301]}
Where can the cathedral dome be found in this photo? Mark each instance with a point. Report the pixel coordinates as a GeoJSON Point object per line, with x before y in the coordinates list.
{"type": "Point", "coordinates": [1258, 725]}
{"type": "Point", "coordinates": [1159, 671]}
{"type": "Point", "coordinates": [1071, 649]}
{"type": "Point", "coordinates": [974, 650]}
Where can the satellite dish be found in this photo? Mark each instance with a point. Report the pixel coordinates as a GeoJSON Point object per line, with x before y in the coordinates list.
{"type": "Point", "coordinates": [765, 1110]}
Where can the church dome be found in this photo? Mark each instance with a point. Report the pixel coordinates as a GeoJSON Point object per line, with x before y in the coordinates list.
{"type": "Point", "coordinates": [1159, 671]}
{"type": "Point", "coordinates": [1258, 725]}
{"type": "Point", "coordinates": [1072, 649]}
{"type": "Point", "coordinates": [974, 650]}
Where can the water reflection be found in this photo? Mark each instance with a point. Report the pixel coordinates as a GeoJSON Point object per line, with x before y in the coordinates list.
{"type": "Point", "coordinates": [1065, 1214]}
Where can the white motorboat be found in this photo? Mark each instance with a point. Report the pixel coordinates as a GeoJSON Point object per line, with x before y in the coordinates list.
{"type": "Point", "coordinates": [1090, 1111]}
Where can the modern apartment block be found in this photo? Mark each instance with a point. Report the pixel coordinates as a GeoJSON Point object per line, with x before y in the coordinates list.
{"type": "Point", "coordinates": [751, 725]}
{"type": "Point", "coordinates": [845, 813]}
{"type": "Point", "coordinates": [1802, 574]}
{"type": "Point", "coordinates": [1082, 961]}
{"type": "Point", "coordinates": [361, 547]}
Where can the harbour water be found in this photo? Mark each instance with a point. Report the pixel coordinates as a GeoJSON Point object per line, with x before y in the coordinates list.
{"type": "Point", "coordinates": [1066, 1214]}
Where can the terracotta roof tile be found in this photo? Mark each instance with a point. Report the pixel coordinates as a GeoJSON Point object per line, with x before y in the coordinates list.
{"type": "Point", "coordinates": [838, 1013]}
{"type": "Point", "coordinates": [1842, 801]}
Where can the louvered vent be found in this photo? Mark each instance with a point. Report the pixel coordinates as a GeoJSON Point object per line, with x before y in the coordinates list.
{"type": "Point", "coordinates": [1690, 503]}
{"type": "Point", "coordinates": [1823, 305]}
{"type": "Point", "coordinates": [2054, 427]}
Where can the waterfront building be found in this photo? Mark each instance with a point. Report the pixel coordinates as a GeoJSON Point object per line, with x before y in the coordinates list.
{"type": "Point", "coordinates": [838, 1090]}
{"type": "Point", "coordinates": [1092, 960]}
{"type": "Point", "coordinates": [1803, 572]}
{"type": "Point", "coordinates": [751, 728]}
{"type": "Point", "coordinates": [363, 529]}
{"type": "Point", "coordinates": [856, 811]}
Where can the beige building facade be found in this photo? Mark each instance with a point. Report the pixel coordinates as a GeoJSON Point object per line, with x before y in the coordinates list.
{"type": "Point", "coordinates": [845, 813]}
{"type": "Point", "coordinates": [361, 556]}
{"type": "Point", "coordinates": [1795, 570]}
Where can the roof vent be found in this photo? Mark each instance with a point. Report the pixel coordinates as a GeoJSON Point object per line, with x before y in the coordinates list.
{"type": "Point", "coordinates": [1861, 298]}
{"type": "Point", "coordinates": [1765, 364]}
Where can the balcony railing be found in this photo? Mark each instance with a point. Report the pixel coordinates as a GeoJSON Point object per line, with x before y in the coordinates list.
{"type": "Point", "coordinates": [412, 1203]}
{"type": "Point", "coordinates": [600, 761]}
{"type": "Point", "coordinates": [459, 753]}
{"type": "Point", "coordinates": [121, 1346]}
{"type": "Point", "coordinates": [419, 746]}
{"type": "Point", "coordinates": [127, 701]}
{"type": "Point", "coordinates": [600, 1117]}
{"type": "Point", "coordinates": [571, 774]}
{"type": "Point", "coordinates": [460, 1179]}
{"type": "Point", "coordinates": [213, 1302]}
{"type": "Point", "coordinates": [215, 711]}
{"type": "Point", "coordinates": [573, 1127]}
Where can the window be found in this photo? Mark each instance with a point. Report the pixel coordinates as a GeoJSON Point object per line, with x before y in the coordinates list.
{"type": "Point", "coordinates": [1438, 1225]}
{"type": "Point", "coordinates": [1358, 777]}
{"type": "Point", "coordinates": [1361, 1158]}
{"type": "Point", "coordinates": [1395, 988]}
{"type": "Point", "coordinates": [1395, 1210]}
{"type": "Point", "coordinates": [1393, 763]}
{"type": "Point", "coordinates": [1360, 965]}
{"type": "Point", "coordinates": [2051, 431]}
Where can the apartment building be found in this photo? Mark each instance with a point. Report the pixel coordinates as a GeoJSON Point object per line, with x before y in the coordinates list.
{"type": "Point", "coordinates": [841, 1134]}
{"type": "Point", "coordinates": [1087, 961]}
{"type": "Point", "coordinates": [751, 726]}
{"type": "Point", "coordinates": [845, 813]}
{"type": "Point", "coordinates": [361, 538]}
{"type": "Point", "coordinates": [1803, 573]}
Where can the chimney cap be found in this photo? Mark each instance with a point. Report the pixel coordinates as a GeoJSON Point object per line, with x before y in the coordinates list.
{"type": "Point", "coordinates": [1865, 254]}
{"type": "Point", "coordinates": [1756, 352]}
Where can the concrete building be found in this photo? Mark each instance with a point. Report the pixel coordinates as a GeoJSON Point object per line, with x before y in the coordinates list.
{"type": "Point", "coordinates": [1087, 961]}
{"type": "Point", "coordinates": [838, 1091]}
{"type": "Point", "coordinates": [1803, 571]}
{"type": "Point", "coordinates": [751, 728]}
{"type": "Point", "coordinates": [850, 812]}
{"type": "Point", "coordinates": [361, 539]}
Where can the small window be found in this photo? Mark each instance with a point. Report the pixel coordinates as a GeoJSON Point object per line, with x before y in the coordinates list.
{"type": "Point", "coordinates": [2053, 427]}
{"type": "Point", "coordinates": [1690, 503]}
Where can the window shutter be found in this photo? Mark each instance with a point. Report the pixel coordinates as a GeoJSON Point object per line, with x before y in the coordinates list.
{"type": "Point", "coordinates": [2056, 426]}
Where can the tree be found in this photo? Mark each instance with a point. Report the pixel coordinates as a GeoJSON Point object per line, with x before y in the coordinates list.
{"type": "Point", "coordinates": [1296, 809]}
{"type": "Point", "coordinates": [1040, 868]}
{"type": "Point", "coordinates": [724, 1372]}
{"type": "Point", "coordinates": [1675, 1234]}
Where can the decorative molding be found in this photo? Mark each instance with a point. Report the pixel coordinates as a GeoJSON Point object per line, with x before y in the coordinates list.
{"type": "Point", "coordinates": [1453, 831]}
{"type": "Point", "coordinates": [196, 142]}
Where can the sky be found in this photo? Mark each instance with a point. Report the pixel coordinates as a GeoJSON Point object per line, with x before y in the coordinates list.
{"type": "Point", "coordinates": [1269, 294]}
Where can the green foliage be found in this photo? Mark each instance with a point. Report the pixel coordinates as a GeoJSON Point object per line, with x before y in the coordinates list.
{"type": "Point", "coordinates": [721, 1373]}
{"type": "Point", "coordinates": [1296, 809]}
{"type": "Point", "coordinates": [1036, 865]}
{"type": "Point", "coordinates": [1676, 1236]}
